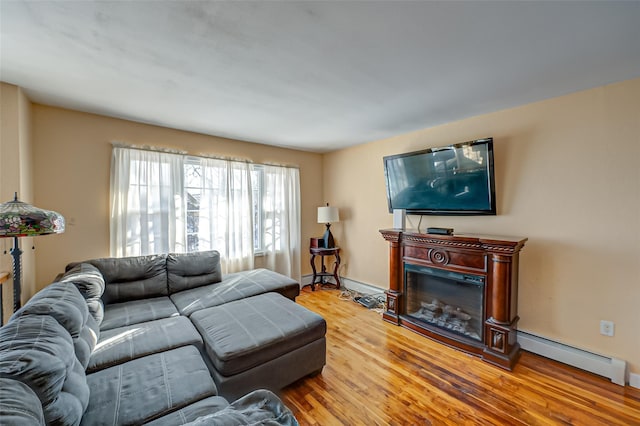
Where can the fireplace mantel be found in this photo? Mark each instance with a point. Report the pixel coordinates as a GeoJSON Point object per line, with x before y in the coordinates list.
{"type": "Point", "coordinates": [495, 259]}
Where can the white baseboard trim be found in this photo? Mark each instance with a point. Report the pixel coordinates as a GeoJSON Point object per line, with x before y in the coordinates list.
{"type": "Point", "coordinates": [634, 380]}
{"type": "Point", "coordinates": [361, 287]}
{"type": "Point", "coordinates": [350, 284]}
{"type": "Point", "coordinates": [305, 280]}
{"type": "Point", "coordinates": [612, 368]}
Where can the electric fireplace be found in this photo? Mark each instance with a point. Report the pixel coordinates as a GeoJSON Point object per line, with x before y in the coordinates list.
{"type": "Point", "coordinates": [461, 290]}
{"type": "Point", "coordinates": [449, 300]}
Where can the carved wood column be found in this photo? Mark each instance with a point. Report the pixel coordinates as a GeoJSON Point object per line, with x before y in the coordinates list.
{"type": "Point", "coordinates": [396, 266]}
{"type": "Point", "coordinates": [502, 347]}
{"type": "Point", "coordinates": [500, 292]}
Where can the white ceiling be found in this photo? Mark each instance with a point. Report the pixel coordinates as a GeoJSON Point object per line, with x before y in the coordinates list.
{"type": "Point", "coordinates": [311, 75]}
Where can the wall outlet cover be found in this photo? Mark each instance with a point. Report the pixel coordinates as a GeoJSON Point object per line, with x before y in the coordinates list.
{"type": "Point", "coordinates": [607, 328]}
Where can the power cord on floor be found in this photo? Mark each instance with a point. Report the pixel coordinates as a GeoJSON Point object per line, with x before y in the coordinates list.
{"type": "Point", "coordinates": [347, 294]}
{"type": "Point", "coordinates": [374, 302]}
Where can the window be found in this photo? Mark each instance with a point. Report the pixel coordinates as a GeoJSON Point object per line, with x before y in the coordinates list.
{"type": "Point", "coordinates": [165, 202]}
{"type": "Point", "coordinates": [195, 185]}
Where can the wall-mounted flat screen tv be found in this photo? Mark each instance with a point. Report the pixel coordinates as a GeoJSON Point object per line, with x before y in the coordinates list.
{"type": "Point", "coordinates": [451, 180]}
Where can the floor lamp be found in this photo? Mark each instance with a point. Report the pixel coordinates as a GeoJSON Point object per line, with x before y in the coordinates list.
{"type": "Point", "coordinates": [18, 219]}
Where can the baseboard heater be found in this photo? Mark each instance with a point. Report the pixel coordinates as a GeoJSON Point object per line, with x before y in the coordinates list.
{"type": "Point", "coordinates": [611, 368]}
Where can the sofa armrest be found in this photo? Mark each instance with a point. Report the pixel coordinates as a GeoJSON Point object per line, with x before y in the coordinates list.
{"type": "Point", "coordinates": [19, 405]}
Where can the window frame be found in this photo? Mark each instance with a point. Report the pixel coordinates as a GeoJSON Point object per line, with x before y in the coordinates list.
{"type": "Point", "coordinates": [258, 206]}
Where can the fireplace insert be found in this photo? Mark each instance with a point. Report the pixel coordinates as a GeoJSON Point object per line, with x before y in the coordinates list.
{"type": "Point", "coordinates": [444, 299]}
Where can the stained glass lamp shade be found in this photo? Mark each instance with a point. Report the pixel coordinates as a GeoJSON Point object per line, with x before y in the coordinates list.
{"type": "Point", "coordinates": [18, 219]}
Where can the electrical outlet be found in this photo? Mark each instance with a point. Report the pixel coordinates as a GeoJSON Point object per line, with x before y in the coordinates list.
{"type": "Point", "coordinates": [606, 328]}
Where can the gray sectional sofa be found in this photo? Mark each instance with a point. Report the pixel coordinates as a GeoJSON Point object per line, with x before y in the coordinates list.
{"type": "Point", "coordinates": [113, 342]}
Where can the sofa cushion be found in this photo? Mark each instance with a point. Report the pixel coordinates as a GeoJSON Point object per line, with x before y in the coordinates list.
{"type": "Point", "coordinates": [233, 287]}
{"type": "Point", "coordinates": [245, 333]}
{"type": "Point", "coordinates": [130, 278]}
{"type": "Point", "coordinates": [191, 270]}
{"type": "Point", "coordinates": [147, 388]}
{"type": "Point", "coordinates": [38, 351]}
{"type": "Point", "coordinates": [123, 344]}
{"type": "Point", "coordinates": [63, 301]}
{"type": "Point", "coordinates": [90, 282]}
{"type": "Point", "coordinates": [137, 311]}
{"type": "Point", "coordinates": [191, 412]}
{"type": "Point", "coordinates": [19, 405]}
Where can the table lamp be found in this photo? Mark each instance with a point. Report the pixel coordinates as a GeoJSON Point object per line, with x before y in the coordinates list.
{"type": "Point", "coordinates": [327, 215]}
{"type": "Point", "coordinates": [18, 219]}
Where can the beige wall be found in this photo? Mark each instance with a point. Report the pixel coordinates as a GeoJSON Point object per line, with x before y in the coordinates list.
{"type": "Point", "coordinates": [568, 178]}
{"type": "Point", "coordinates": [15, 176]}
{"type": "Point", "coordinates": [72, 157]}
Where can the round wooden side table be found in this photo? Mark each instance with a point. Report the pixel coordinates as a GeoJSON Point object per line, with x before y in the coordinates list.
{"type": "Point", "coordinates": [319, 277]}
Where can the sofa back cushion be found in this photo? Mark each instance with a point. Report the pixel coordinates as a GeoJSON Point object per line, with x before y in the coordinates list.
{"type": "Point", "coordinates": [132, 278]}
{"type": "Point", "coordinates": [63, 302]}
{"type": "Point", "coordinates": [189, 270]}
{"type": "Point", "coordinates": [37, 351]}
{"type": "Point", "coordinates": [90, 282]}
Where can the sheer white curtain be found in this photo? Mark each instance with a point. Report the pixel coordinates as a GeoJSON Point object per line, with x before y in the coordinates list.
{"type": "Point", "coordinates": [226, 213]}
{"type": "Point", "coordinates": [149, 212]}
{"type": "Point", "coordinates": [281, 209]}
{"type": "Point", "coordinates": [147, 209]}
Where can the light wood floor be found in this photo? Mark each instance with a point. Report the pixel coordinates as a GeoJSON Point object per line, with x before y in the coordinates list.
{"type": "Point", "coordinates": [381, 374]}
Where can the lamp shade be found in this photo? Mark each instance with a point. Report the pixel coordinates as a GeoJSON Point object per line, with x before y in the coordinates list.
{"type": "Point", "coordinates": [328, 214]}
{"type": "Point", "coordinates": [18, 219]}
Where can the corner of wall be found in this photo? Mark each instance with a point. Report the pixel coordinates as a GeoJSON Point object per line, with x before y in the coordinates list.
{"type": "Point", "coordinates": [16, 175]}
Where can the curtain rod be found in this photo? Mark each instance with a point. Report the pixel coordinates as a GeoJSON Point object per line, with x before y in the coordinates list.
{"type": "Point", "coordinates": [117, 144]}
{"type": "Point", "coordinates": [150, 148]}
{"type": "Point", "coordinates": [241, 160]}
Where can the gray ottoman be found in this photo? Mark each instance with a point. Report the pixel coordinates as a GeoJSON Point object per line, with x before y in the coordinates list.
{"type": "Point", "coordinates": [265, 341]}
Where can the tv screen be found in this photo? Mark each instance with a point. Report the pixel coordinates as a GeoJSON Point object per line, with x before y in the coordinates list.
{"type": "Point", "coordinates": [451, 180]}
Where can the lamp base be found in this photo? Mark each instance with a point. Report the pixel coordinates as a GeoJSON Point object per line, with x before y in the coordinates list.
{"type": "Point", "coordinates": [328, 238]}
{"type": "Point", "coordinates": [17, 274]}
